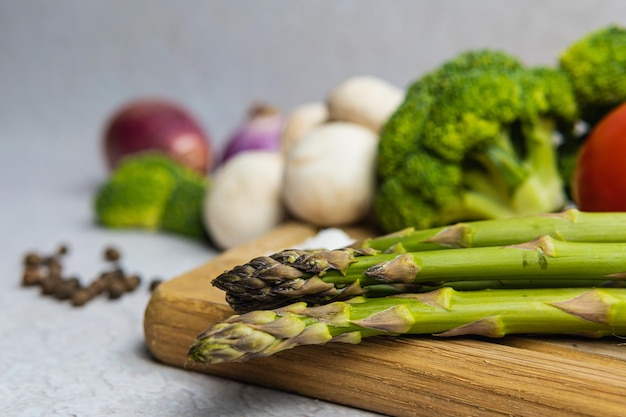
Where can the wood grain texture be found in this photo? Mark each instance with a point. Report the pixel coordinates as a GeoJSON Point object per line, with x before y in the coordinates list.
{"type": "Point", "coordinates": [402, 376]}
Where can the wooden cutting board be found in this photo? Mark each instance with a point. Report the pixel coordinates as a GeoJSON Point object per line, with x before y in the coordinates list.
{"type": "Point", "coordinates": [402, 376]}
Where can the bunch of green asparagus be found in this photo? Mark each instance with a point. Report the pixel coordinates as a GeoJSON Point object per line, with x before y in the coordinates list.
{"type": "Point", "coordinates": [559, 273]}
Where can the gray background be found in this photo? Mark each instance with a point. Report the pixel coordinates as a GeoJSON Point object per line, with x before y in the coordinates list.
{"type": "Point", "coordinates": [65, 65]}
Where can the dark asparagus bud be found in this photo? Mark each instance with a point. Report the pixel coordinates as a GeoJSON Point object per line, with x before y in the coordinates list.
{"type": "Point", "coordinates": [274, 281]}
{"type": "Point", "coordinates": [320, 277]}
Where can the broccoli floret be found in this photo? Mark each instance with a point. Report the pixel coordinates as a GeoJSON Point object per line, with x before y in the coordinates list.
{"type": "Point", "coordinates": [152, 191]}
{"type": "Point", "coordinates": [596, 65]}
{"type": "Point", "coordinates": [474, 139]}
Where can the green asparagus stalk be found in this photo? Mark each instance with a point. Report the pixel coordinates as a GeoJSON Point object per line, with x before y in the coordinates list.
{"type": "Point", "coordinates": [588, 312]}
{"type": "Point", "coordinates": [323, 276]}
{"type": "Point", "coordinates": [570, 225]}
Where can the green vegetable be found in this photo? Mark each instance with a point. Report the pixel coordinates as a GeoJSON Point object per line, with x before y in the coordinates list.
{"type": "Point", "coordinates": [445, 312]}
{"type": "Point", "coordinates": [596, 65]}
{"type": "Point", "coordinates": [474, 139]}
{"type": "Point", "coordinates": [152, 191]}
{"type": "Point", "coordinates": [571, 225]}
{"type": "Point", "coordinates": [323, 276]}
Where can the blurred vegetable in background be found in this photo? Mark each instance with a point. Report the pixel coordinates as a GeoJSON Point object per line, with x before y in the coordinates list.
{"type": "Point", "coordinates": [482, 136]}
{"type": "Point", "coordinates": [260, 131]}
{"type": "Point", "coordinates": [329, 177]}
{"type": "Point", "coordinates": [243, 201]}
{"type": "Point", "coordinates": [365, 100]}
{"type": "Point", "coordinates": [159, 125]}
{"type": "Point", "coordinates": [300, 121]}
{"type": "Point", "coordinates": [152, 191]}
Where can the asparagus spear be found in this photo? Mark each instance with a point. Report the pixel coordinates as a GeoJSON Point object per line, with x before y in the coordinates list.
{"type": "Point", "coordinates": [323, 276]}
{"type": "Point", "coordinates": [589, 312]}
{"type": "Point", "coordinates": [571, 225]}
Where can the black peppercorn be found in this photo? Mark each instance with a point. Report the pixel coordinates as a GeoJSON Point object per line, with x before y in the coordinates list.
{"type": "Point", "coordinates": [97, 287]}
{"type": "Point", "coordinates": [111, 254]}
{"type": "Point", "coordinates": [82, 297]}
{"type": "Point", "coordinates": [47, 273]}
{"type": "Point", "coordinates": [54, 268]}
{"type": "Point", "coordinates": [32, 259]}
{"type": "Point", "coordinates": [49, 284]}
{"type": "Point", "coordinates": [32, 276]}
{"type": "Point", "coordinates": [132, 282]}
{"type": "Point", "coordinates": [116, 289]}
{"type": "Point", "coordinates": [65, 288]}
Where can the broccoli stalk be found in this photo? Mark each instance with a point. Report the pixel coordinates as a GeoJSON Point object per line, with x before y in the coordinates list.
{"type": "Point", "coordinates": [474, 139]}
{"type": "Point", "coordinates": [509, 187]}
{"type": "Point", "coordinates": [542, 190]}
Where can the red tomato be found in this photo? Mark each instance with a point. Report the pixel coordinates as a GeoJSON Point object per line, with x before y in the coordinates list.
{"type": "Point", "coordinates": [599, 182]}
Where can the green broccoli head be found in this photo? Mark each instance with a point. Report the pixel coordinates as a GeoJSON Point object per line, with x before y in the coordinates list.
{"type": "Point", "coordinates": [474, 139]}
{"type": "Point", "coordinates": [152, 191]}
{"type": "Point", "coordinates": [596, 65]}
{"type": "Point", "coordinates": [402, 129]}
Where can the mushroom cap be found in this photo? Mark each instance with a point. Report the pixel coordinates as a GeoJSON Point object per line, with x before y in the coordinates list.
{"type": "Point", "coordinates": [330, 175]}
{"type": "Point", "coordinates": [244, 200]}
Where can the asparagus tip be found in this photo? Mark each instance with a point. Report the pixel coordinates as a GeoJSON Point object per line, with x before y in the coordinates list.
{"type": "Point", "coordinates": [254, 335]}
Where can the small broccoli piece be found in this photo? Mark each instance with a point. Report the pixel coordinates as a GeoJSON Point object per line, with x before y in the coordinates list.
{"type": "Point", "coordinates": [152, 191]}
{"type": "Point", "coordinates": [596, 65]}
{"type": "Point", "coordinates": [474, 139]}
{"type": "Point", "coordinates": [182, 213]}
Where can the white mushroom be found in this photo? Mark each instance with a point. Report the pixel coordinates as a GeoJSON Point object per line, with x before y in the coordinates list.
{"type": "Point", "coordinates": [330, 175]}
{"type": "Point", "coordinates": [244, 200]}
{"type": "Point", "coordinates": [365, 100]}
{"type": "Point", "coordinates": [300, 121]}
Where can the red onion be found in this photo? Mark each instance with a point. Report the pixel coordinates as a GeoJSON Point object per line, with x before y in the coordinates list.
{"type": "Point", "coordinates": [157, 125]}
{"type": "Point", "coordinates": [260, 131]}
